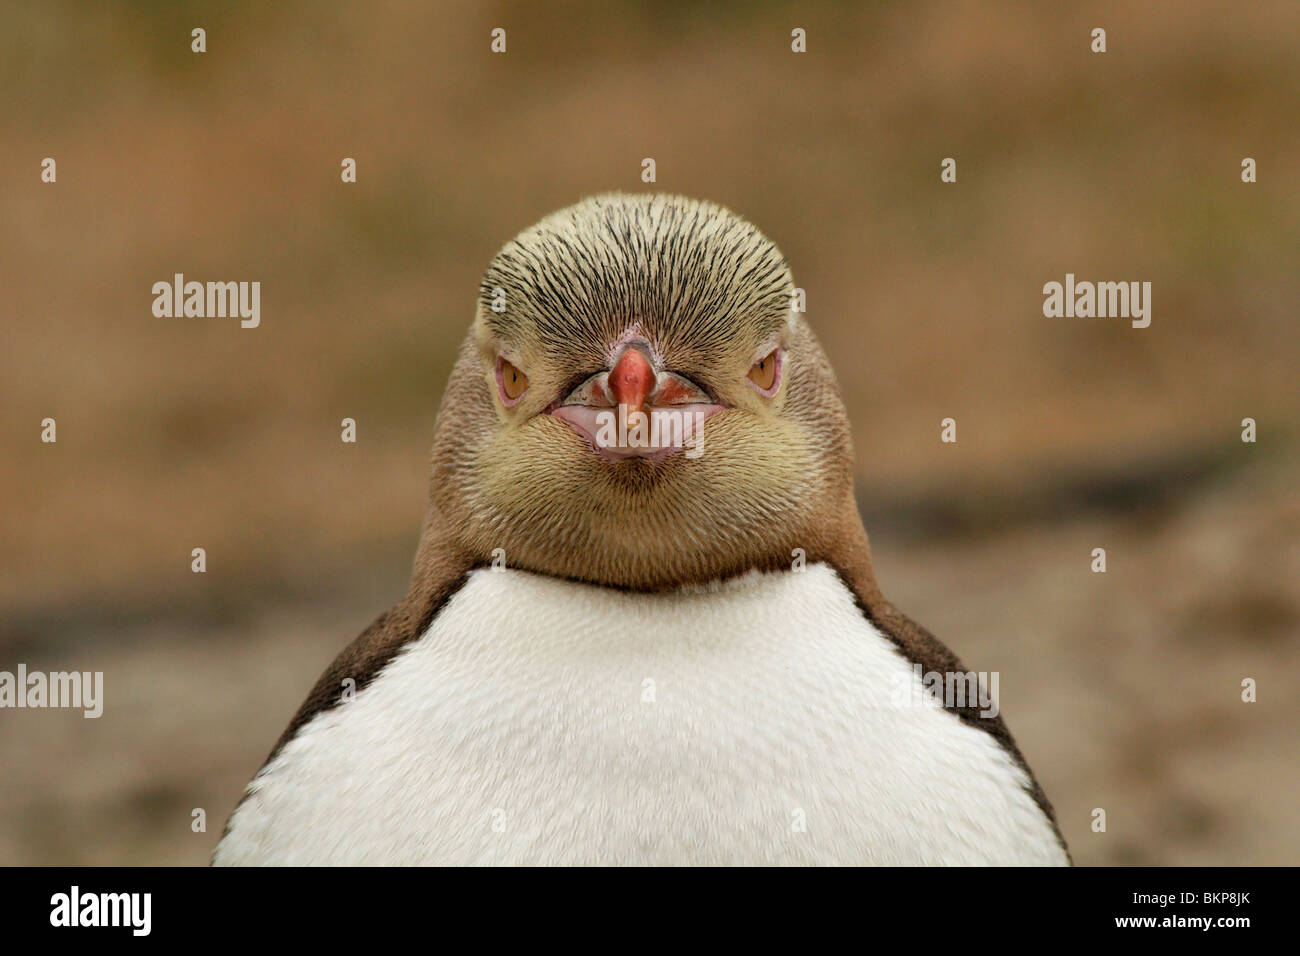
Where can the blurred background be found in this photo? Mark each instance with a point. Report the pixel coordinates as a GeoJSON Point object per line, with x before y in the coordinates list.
{"type": "Point", "coordinates": [1122, 688]}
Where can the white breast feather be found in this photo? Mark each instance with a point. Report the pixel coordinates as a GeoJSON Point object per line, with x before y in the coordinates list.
{"type": "Point", "coordinates": [522, 728]}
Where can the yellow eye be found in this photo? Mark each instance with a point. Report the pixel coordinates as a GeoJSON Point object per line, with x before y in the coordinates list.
{"type": "Point", "coordinates": [513, 382]}
{"type": "Point", "coordinates": [763, 374]}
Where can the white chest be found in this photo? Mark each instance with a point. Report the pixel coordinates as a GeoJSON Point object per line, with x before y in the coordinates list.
{"type": "Point", "coordinates": [545, 722]}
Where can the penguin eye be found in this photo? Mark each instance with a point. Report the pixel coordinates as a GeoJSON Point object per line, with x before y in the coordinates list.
{"type": "Point", "coordinates": [511, 382]}
{"type": "Point", "coordinates": [763, 374]}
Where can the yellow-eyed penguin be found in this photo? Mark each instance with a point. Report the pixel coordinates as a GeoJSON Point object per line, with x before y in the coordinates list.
{"type": "Point", "coordinates": [643, 626]}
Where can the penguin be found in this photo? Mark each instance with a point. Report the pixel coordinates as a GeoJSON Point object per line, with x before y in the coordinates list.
{"type": "Point", "coordinates": [632, 646]}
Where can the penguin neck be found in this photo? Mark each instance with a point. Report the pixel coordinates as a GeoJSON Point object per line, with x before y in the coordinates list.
{"type": "Point", "coordinates": [836, 539]}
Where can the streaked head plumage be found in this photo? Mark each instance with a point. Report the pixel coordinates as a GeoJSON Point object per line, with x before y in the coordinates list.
{"type": "Point", "coordinates": [661, 304]}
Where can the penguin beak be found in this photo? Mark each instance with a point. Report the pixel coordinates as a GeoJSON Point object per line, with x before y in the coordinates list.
{"type": "Point", "coordinates": [634, 410]}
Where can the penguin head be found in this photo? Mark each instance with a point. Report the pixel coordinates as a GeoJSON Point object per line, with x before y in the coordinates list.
{"type": "Point", "coordinates": [639, 405]}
